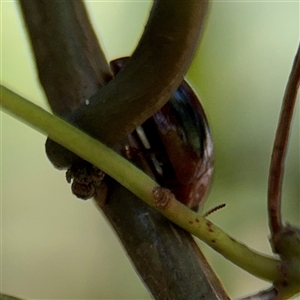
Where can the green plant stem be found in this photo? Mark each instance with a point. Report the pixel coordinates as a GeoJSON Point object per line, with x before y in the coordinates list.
{"type": "Point", "coordinates": [138, 183]}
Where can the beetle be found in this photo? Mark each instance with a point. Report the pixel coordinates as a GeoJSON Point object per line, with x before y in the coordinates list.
{"type": "Point", "coordinates": [174, 146]}
{"type": "Point", "coordinates": [177, 144]}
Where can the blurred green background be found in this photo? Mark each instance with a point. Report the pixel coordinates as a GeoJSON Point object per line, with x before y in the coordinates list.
{"type": "Point", "coordinates": [57, 247]}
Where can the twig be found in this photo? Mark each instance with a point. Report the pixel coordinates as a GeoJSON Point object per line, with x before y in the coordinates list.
{"type": "Point", "coordinates": [66, 51]}
{"type": "Point", "coordinates": [61, 30]}
{"type": "Point", "coordinates": [166, 257]}
{"type": "Point", "coordinates": [148, 80]}
{"type": "Point", "coordinates": [280, 148]}
{"type": "Point", "coordinates": [123, 171]}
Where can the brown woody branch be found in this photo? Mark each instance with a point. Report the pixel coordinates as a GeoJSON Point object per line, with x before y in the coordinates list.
{"type": "Point", "coordinates": [148, 80]}
{"type": "Point", "coordinates": [71, 68]}
{"type": "Point", "coordinates": [70, 63]}
{"type": "Point", "coordinates": [280, 148]}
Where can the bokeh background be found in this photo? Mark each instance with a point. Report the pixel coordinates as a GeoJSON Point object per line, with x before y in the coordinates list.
{"type": "Point", "coordinates": [54, 246]}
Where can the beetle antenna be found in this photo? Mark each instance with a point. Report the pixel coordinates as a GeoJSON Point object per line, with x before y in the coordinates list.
{"type": "Point", "coordinates": [214, 209]}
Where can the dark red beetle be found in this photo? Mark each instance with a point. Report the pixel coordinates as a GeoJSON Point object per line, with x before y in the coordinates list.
{"type": "Point", "coordinates": [177, 144]}
{"type": "Point", "coordinates": [174, 146]}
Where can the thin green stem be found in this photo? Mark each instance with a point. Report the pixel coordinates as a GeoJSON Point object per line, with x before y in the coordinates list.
{"type": "Point", "coordinates": [138, 183]}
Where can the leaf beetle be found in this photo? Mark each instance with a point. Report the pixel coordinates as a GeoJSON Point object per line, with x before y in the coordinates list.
{"type": "Point", "coordinates": [177, 144]}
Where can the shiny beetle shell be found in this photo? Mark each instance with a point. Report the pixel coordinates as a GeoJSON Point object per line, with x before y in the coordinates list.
{"type": "Point", "coordinates": [177, 144]}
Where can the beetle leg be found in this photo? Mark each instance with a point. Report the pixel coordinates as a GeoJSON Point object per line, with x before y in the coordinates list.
{"type": "Point", "coordinates": [156, 164]}
{"type": "Point", "coordinates": [143, 138]}
{"type": "Point", "coordinates": [141, 134]}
